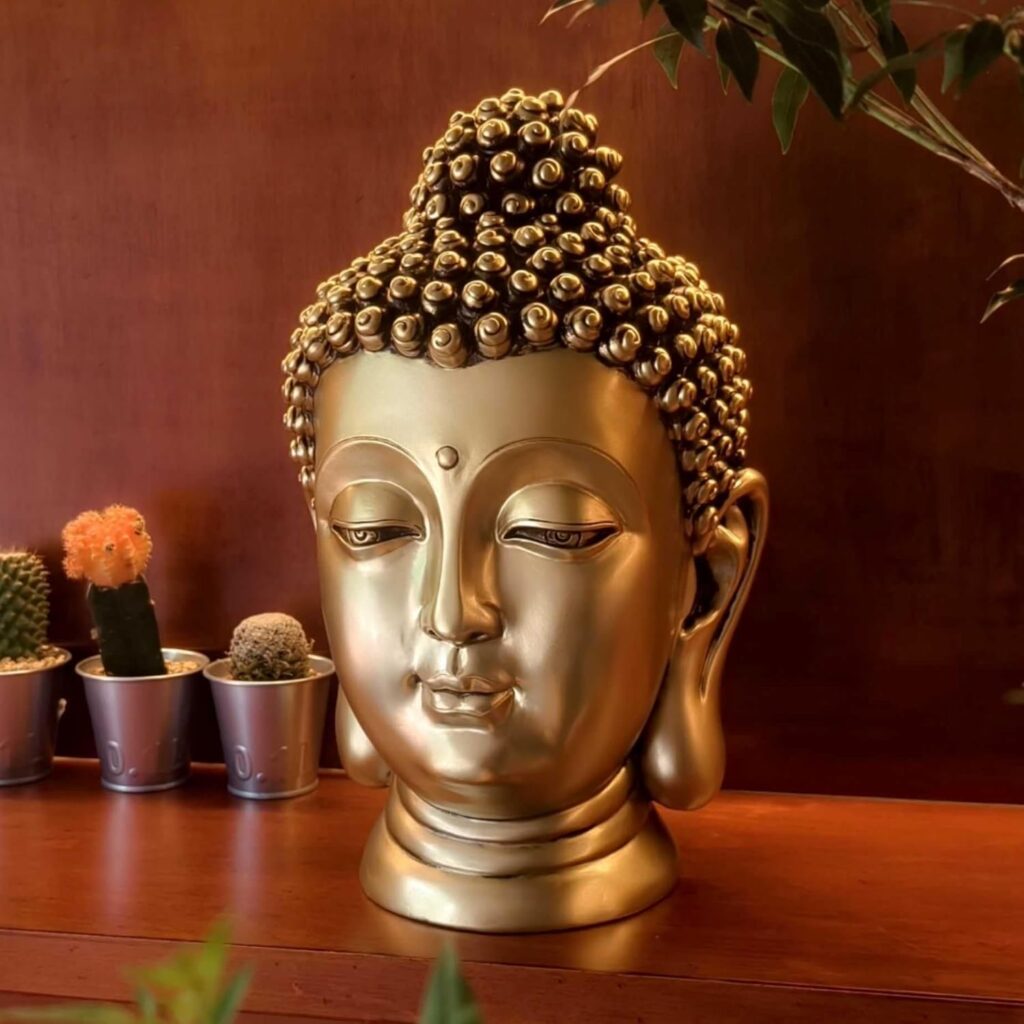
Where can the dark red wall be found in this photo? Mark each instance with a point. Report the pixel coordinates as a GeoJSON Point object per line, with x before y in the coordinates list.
{"type": "Point", "coordinates": [176, 177]}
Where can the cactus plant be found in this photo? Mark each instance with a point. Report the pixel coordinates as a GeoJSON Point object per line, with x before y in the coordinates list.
{"type": "Point", "coordinates": [24, 606]}
{"type": "Point", "coordinates": [269, 647]}
{"type": "Point", "coordinates": [111, 549]}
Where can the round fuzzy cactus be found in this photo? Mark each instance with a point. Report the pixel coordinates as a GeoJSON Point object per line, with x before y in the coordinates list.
{"type": "Point", "coordinates": [269, 647]}
{"type": "Point", "coordinates": [24, 605]}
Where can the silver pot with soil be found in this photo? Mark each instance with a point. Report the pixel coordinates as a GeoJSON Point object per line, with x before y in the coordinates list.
{"type": "Point", "coordinates": [141, 723]}
{"type": "Point", "coordinates": [30, 711]}
{"type": "Point", "coordinates": [271, 730]}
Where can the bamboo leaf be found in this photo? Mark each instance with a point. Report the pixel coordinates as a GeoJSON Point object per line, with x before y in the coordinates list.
{"type": "Point", "coordinates": [559, 5]}
{"type": "Point", "coordinates": [148, 1006]}
{"type": "Point", "coordinates": [804, 23]}
{"type": "Point", "coordinates": [231, 998]}
{"type": "Point", "coordinates": [953, 63]}
{"type": "Point", "coordinates": [1003, 296]}
{"type": "Point", "coordinates": [687, 17]}
{"type": "Point", "coordinates": [736, 50]}
{"type": "Point", "coordinates": [185, 1007]}
{"type": "Point", "coordinates": [1002, 266]}
{"type": "Point", "coordinates": [894, 68]}
{"type": "Point", "coordinates": [448, 999]}
{"type": "Point", "coordinates": [174, 974]}
{"type": "Point", "coordinates": [667, 48]}
{"type": "Point", "coordinates": [73, 1013]}
{"type": "Point", "coordinates": [982, 45]}
{"type": "Point", "coordinates": [724, 76]}
{"type": "Point", "coordinates": [809, 42]}
{"type": "Point", "coordinates": [880, 15]}
{"type": "Point", "coordinates": [602, 69]}
{"type": "Point", "coordinates": [207, 964]}
{"type": "Point", "coordinates": [580, 11]}
{"type": "Point", "coordinates": [789, 96]}
{"type": "Point", "coordinates": [894, 46]}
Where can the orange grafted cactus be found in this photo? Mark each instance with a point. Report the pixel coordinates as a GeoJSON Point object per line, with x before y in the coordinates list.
{"type": "Point", "coordinates": [107, 548]}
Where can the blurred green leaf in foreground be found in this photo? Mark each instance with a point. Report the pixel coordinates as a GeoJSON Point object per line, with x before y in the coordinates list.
{"type": "Point", "coordinates": [193, 987]}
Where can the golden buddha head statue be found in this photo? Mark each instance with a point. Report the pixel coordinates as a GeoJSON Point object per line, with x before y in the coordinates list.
{"type": "Point", "coordinates": [521, 429]}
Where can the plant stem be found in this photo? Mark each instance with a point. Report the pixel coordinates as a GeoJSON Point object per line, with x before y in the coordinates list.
{"type": "Point", "coordinates": [919, 101]}
{"type": "Point", "coordinates": [932, 131]}
{"type": "Point", "coordinates": [937, 6]}
{"type": "Point", "coordinates": [936, 133]}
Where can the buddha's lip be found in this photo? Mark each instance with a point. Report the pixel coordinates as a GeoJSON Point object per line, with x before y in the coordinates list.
{"type": "Point", "coordinates": [464, 684]}
{"type": "Point", "coordinates": [463, 707]}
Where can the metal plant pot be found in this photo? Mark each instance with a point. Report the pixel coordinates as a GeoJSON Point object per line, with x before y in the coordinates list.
{"type": "Point", "coordinates": [141, 723]}
{"type": "Point", "coordinates": [271, 731]}
{"type": "Point", "coordinates": [29, 714]}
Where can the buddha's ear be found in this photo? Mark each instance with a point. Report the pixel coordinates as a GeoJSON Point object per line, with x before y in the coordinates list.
{"type": "Point", "coordinates": [682, 752]}
{"type": "Point", "coordinates": [358, 755]}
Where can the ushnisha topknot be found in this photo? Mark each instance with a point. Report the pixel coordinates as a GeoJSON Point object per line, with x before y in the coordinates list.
{"type": "Point", "coordinates": [518, 241]}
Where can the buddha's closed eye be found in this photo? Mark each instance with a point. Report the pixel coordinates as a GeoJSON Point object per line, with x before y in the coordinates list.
{"type": "Point", "coordinates": [368, 535]}
{"type": "Point", "coordinates": [560, 536]}
{"type": "Point", "coordinates": [557, 519]}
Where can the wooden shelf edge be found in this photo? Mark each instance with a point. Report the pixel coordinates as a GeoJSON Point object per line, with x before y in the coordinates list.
{"type": "Point", "coordinates": [358, 987]}
{"type": "Point", "coordinates": [20, 1001]}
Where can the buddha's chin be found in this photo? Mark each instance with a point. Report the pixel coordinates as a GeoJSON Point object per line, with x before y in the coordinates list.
{"type": "Point", "coordinates": [479, 768]}
{"type": "Point", "coordinates": [492, 773]}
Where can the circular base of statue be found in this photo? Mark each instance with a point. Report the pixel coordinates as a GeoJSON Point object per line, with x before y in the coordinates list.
{"type": "Point", "coordinates": [617, 867]}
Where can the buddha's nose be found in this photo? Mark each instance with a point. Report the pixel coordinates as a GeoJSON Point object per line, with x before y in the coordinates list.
{"type": "Point", "coordinates": [461, 606]}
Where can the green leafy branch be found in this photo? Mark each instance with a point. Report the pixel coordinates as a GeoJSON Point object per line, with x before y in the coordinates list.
{"type": "Point", "coordinates": [822, 46]}
{"type": "Point", "coordinates": [192, 988]}
{"type": "Point", "coordinates": [195, 987]}
{"type": "Point", "coordinates": [448, 998]}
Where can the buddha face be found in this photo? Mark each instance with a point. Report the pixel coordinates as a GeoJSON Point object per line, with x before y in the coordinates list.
{"type": "Point", "coordinates": [503, 569]}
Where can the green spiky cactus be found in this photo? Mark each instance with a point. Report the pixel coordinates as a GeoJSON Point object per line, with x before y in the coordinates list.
{"type": "Point", "coordinates": [269, 647]}
{"type": "Point", "coordinates": [24, 605]}
{"type": "Point", "coordinates": [126, 629]}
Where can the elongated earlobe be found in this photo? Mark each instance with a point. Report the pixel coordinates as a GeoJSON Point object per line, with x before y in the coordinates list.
{"type": "Point", "coordinates": [682, 752]}
{"type": "Point", "coordinates": [358, 755]}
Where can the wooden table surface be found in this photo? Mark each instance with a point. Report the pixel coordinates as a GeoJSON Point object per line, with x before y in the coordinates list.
{"type": "Point", "coordinates": [789, 908]}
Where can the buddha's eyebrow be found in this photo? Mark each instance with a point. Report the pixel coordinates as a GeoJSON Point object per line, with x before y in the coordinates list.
{"type": "Point", "coordinates": [350, 448]}
{"type": "Point", "coordinates": [514, 447]}
{"type": "Point", "coordinates": [358, 442]}
{"type": "Point", "coordinates": [591, 469]}
{"type": "Point", "coordinates": [363, 456]}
